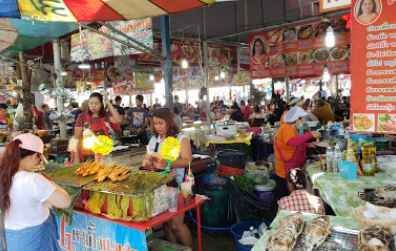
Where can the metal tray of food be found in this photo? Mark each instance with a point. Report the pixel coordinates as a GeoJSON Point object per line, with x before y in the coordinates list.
{"type": "Point", "coordinates": [339, 240]}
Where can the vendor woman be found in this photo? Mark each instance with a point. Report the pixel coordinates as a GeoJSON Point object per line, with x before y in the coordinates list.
{"type": "Point", "coordinates": [290, 146]}
{"type": "Point", "coordinates": [96, 119]}
{"type": "Point", "coordinates": [26, 197]}
{"type": "Point", "coordinates": [164, 125]}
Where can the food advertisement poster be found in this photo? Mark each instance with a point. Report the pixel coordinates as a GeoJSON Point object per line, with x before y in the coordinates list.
{"type": "Point", "coordinates": [88, 45]}
{"type": "Point", "coordinates": [92, 233]}
{"type": "Point", "coordinates": [373, 66]}
{"type": "Point", "coordinates": [333, 5]}
{"type": "Point", "coordinates": [299, 51]}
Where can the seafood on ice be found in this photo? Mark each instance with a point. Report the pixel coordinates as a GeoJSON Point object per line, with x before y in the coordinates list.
{"type": "Point", "coordinates": [285, 237]}
{"type": "Point", "coordinates": [316, 232]}
{"type": "Point", "coordinates": [376, 238]}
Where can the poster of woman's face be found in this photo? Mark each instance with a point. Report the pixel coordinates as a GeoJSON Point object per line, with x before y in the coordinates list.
{"type": "Point", "coordinates": [259, 48]}
{"type": "Point", "coordinates": [367, 11]}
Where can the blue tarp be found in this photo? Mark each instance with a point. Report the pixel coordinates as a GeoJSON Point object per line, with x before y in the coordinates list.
{"type": "Point", "coordinates": [9, 8]}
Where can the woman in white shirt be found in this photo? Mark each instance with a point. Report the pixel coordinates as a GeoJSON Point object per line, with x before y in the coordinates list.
{"type": "Point", "coordinates": [164, 126]}
{"type": "Point", "coordinates": [26, 197]}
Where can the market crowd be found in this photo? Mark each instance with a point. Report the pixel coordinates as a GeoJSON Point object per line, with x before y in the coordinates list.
{"type": "Point", "coordinates": [28, 216]}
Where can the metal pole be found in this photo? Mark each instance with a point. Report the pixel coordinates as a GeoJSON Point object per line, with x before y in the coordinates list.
{"type": "Point", "coordinates": [287, 89]}
{"type": "Point", "coordinates": [28, 98]}
{"type": "Point", "coordinates": [59, 86]}
{"type": "Point", "coordinates": [166, 54]}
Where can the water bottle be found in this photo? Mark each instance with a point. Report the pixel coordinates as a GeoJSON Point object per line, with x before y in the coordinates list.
{"type": "Point", "coordinates": [329, 159]}
{"type": "Point", "coordinates": [337, 158]}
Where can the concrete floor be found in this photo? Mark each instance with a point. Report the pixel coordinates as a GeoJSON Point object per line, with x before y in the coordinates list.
{"type": "Point", "coordinates": [216, 242]}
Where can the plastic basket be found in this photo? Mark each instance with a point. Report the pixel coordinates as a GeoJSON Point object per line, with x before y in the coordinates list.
{"type": "Point", "coordinates": [237, 232]}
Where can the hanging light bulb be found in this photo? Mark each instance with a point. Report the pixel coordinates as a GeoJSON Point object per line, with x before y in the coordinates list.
{"type": "Point", "coordinates": [330, 37]}
{"type": "Point", "coordinates": [184, 64]}
{"type": "Point", "coordinates": [64, 73]}
{"type": "Point", "coordinates": [326, 74]}
{"type": "Point", "coordinates": [216, 78]}
{"type": "Point", "coordinates": [152, 77]}
{"type": "Point", "coordinates": [222, 75]}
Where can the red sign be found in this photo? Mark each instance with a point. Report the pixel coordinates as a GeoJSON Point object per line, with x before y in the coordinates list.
{"type": "Point", "coordinates": [373, 64]}
{"type": "Point", "coordinates": [333, 5]}
{"type": "Point", "coordinates": [300, 51]}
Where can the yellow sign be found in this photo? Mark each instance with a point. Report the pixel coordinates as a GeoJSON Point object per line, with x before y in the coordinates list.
{"type": "Point", "coordinates": [46, 10]}
{"type": "Point", "coordinates": [103, 145]}
{"type": "Point", "coordinates": [170, 149]}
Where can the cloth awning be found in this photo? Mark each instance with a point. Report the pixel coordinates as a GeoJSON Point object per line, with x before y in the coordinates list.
{"type": "Point", "coordinates": [94, 10]}
{"type": "Point", "coordinates": [20, 35]}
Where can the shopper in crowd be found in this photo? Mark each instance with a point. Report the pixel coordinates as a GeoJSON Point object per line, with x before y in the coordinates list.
{"type": "Point", "coordinates": [178, 118]}
{"type": "Point", "coordinates": [290, 146]}
{"type": "Point", "coordinates": [98, 120]}
{"type": "Point", "coordinates": [164, 126]}
{"type": "Point", "coordinates": [138, 120]}
{"type": "Point", "coordinates": [38, 118]}
{"type": "Point", "coordinates": [118, 106]}
{"type": "Point", "coordinates": [27, 197]}
{"type": "Point", "coordinates": [236, 113]}
{"type": "Point", "coordinates": [246, 110]}
{"type": "Point", "coordinates": [5, 118]}
{"type": "Point", "coordinates": [258, 117]}
{"type": "Point", "coordinates": [157, 104]}
{"type": "Point", "coordinates": [180, 107]}
{"type": "Point", "coordinates": [47, 121]}
{"type": "Point", "coordinates": [323, 111]}
{"type": "Point", "coordinates": [300, 199]}
{"type": "Point", "coordinates": [307, 108]}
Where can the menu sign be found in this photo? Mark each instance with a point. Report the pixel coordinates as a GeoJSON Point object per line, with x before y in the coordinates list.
{"type": "Point", "coordinates": [332, 5]}
{"type": "Point", "coordinates": [299, 51]}
{"type": "Point", "coordinates": [373, 66]}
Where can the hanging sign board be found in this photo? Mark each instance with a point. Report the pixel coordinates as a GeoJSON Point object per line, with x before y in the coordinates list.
{"type": "Point", "coordinates": [299, 51]}
{"type": "Point", "coordinates": [373, 66]}
{"type": "Point", "coordinates": [333, 5]}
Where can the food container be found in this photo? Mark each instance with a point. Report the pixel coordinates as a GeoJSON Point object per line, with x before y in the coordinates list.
{"type": "Point", "coordinates": [232, 158]}
{"type": "Point", "coordinates": [265, 193]}
{"type": "Point", "coordinates": [348, 170]}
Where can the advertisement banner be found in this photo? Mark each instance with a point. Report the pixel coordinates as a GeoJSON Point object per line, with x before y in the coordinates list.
{"type": "Point", "coordinates": [95, 234]}
{"type": "Point", "coordinates": [88, 45]}
{"type": "Point", "coordinates": [333, 5]}
{"type": "Point", "coordinates": [373, 66]}
{"type": "Point", "coordinates": [299, 51]}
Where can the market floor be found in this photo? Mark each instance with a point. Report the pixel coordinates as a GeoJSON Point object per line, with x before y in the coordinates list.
{"type": "Point", "coordinates": [215, 242]}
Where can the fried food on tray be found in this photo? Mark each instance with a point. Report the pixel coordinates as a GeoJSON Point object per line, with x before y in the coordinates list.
{"type": "Point", "coordinates": [88, 168]}
{"type": "Point", "coordinates": [103, 171]}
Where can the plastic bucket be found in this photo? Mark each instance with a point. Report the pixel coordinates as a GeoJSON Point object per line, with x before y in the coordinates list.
{"type": "Point", "coordinates": [265, 193]}
{"type": "Point", "coordinates": [237, 232]}
{"type": "Point", "coordinates": [348, 170]}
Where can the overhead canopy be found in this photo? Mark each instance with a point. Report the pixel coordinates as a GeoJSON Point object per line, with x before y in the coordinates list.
{"type": "Point", "coordinates": [19, 35]}
{"type": "Point", "coordinates": [94, 10]}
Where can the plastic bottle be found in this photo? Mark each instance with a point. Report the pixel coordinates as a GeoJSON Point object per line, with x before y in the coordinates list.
{"type": "Point", "coordinates": [337, 158]}
{"type": "Point", "coordinates": [329, 159]}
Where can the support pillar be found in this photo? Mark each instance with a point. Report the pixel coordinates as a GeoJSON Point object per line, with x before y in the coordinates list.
{"type": "Point", "coordinates": [166, 54]}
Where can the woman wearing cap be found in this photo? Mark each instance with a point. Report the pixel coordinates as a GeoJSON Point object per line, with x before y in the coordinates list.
{"type": "Point", "coordinates": [27, 197]}
{"type": "Point", "coordinates": [164, 126]}
{"type": "Point", "coordinates": [96, 119]}
{"type": "Point", "coordinates": [290, 146]}
{"type": "Point", "coordinates": [300, 199]}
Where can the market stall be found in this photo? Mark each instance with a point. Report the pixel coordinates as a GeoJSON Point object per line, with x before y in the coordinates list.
{"type": "Point", "coordinates": [116, 206]}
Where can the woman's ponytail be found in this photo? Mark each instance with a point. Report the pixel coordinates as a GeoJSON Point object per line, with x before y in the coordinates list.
{"type": "Point", "coordinates": [9, 165]}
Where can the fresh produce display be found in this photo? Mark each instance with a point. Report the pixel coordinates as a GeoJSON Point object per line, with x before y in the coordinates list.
{"type": "Point", "coordinates": [245, 183]}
